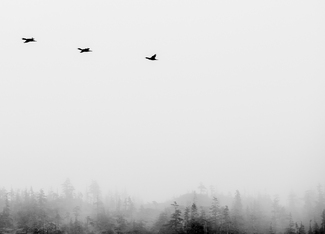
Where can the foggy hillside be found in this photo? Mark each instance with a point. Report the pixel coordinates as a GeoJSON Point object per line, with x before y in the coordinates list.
{"type": "Point", "coordinates": [201, 211]}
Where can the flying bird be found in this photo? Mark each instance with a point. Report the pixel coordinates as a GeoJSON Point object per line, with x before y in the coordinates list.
{"type": "Point", "coordinates": [26, 40]}
{"type": "Point", "coordinates": [153, 57]}
{"type": "Point", "coordinates": [85, 50]}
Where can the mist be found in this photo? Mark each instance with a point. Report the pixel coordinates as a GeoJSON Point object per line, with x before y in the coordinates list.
{"type": "Point", "coordinates": [234, 101]}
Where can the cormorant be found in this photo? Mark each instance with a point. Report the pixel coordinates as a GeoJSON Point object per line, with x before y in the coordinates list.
{"type": "Point", "coordinates": [153, 57]}
{"type": "Point", "coordinates": [84, 50]}
{"type": "Point", "coordinates": [26, 40]}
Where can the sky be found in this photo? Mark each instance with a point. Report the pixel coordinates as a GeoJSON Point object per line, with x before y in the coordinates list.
{"type": "Point", "coordinates": [235, 100]}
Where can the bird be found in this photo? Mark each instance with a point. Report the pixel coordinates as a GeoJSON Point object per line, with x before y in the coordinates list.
{"type": "Point", "coordinates": [153, 57]}
{"type": "Point", "coordinates": [85, 50]}
{"type": "Point", "coordinates": [26, 40]}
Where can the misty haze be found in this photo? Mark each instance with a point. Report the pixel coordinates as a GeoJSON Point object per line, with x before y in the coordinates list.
{"type": "Point", "coordinates": [151, 116]}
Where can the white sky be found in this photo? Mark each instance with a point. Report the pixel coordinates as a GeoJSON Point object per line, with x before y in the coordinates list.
{"type": "Point", "coordinates": [236, 98]}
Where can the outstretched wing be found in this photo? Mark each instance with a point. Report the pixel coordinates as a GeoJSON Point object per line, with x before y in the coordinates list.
{"type": "Point", "coordinates": [153, 56]}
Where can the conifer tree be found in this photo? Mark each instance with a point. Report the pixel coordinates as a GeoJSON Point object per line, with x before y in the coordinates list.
{"type": "Point", "coordinates": [175, 223]}
{"type": "Point", "coordinates": [237, 214]}
{"type": "Point", "coordinates": [94, 191]}
{"type": "Point", "coordinates": [290, 229]}
{"type": "Point", "coordinates": [226, 222]}
{"type": "Point", "coordinates": [121, 224]}
{"type": "Point", "coordinates": [320, 203]}
{"type": "Point", "coordinates": [215, 215]}
{"type": "Point", "coordinates": [275, 214]}
{"type": "Point", "coordinates": [316, 228]}
{"type": "Point", "coordinates": [293, 205]}
{"type": "Point", "coordinates": [186, 219]}
{"type": "Point", "coordinates": [202, 188]}
{"type": "Point", "coordinates": [194, 213]}
{"type": "Point", "coordinates": [68, 190]}
{"type": "Point", "coordinates": [41, 199]}
{"type": "Point", "coordinates": [310, 230]}
{"type": "Point", "coordinates": [42, 214]}
{"type": "Point", "coordinates": [271, 231]}
{"type": "Point", "coordinates": [196, 226]}
{"type": "Point", "coordinates": [6, 219]}
{"type": "Point", "coordinates": [130, 207]}
{"type": "Point", "coordinates": [301, 229]}
{"type": "Point", "coordinates": [323, 222]}
{"type": "Point", "coordinates": [203, 219]}
{"type": "Point", "coordinates": [255, 222]}
{"type": "Point", "coordinates": [309, 204]}
{"type": "Point", "coordinates": [161, 225]}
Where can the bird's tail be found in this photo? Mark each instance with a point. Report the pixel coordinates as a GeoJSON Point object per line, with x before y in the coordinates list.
{"type": "Point", "coordinates": [24, 38]}
{"type": "Point", "coordinates": [79, 49]}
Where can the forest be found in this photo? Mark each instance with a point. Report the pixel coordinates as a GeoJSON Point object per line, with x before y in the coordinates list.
{"type": "Point", "coordinates": [201, 211]}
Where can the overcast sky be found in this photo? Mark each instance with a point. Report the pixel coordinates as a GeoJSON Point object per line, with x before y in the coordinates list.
{"type": "Point", "coordinates": [236, 98]}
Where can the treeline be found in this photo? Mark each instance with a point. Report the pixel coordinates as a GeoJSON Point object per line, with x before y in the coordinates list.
{"type": "Point", "coordinates": [261, 215]}
{"type": "Point", "coordinates": [72, 212]}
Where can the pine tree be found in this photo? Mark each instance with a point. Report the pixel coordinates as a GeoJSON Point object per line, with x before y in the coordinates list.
{"type": "Point", "coordinates": [237, 214]}
{"type": "Point", "coordinates": [121, 224]}
{"type": "Point", "coordinates": [271, 231]}
{"type": "Point", "coordinates": [310, 230]}
{"type": "Point", "coordinates": [118, 205]}
{"type": "Point", "coordinates": [320, 203]}
{"type": "Point", "coordinates": [186, 219]}
{"type": "Point", "coordinates": [196, 226]}
{"type": "Point", "coordinates": [202, 188]}
{"type": "Point", "coordinates": [309, 204]}
{"type": "Point", "coordinates": [76, 212]}
{"type": "Point", "coordinates": [6, 219]}
{"type": "Point", "coordinates": [275, 214]}
{"type": "Point", "coordinates": [254, 219]}
{"type": "Point", "coordinates": [194, 213]}
{"type": "Point", "coordinates": [215, 215]}
{"type": "Point", "coordinates": [203, 219]}
{"type": "Point", "coordinates": [94, 191]}
{"type": "Point", "coordinates": [175, 223]}
{"type": "Point", "coordinates": [130, 207]}
{"type": "Point", "coordinates": [41, 200]}
{"type": "Point", "coordinates": [290, 229]}
{"type": "Point", "coordinates": [292, 205]}
{"type": "Point", "coordinates": [316, 228]}
{"type": "Point", "coordinates": [57, 219]}
{"type": "Point", "coordinates": [68, 189]}
{"type": "Point", "coordinates": [301, 229]}
{"type": "Point", "coordinates": [225, 225]}
{"type": "Point", "coordinates": [323, 222]}
{"type": "Point", "coordinates": [160, 226]}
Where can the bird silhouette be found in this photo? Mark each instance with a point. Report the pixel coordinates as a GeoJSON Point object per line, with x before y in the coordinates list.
{"type": "Point", "coordinates": [84, 50]}
{"type": "Point", "coordinates": [153, 57]}
{"type": "Point", "coordinates": [26, 40]}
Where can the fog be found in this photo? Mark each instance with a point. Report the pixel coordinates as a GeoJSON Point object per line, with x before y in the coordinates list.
{"type": "Point", "coordinates": [235, 100]}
